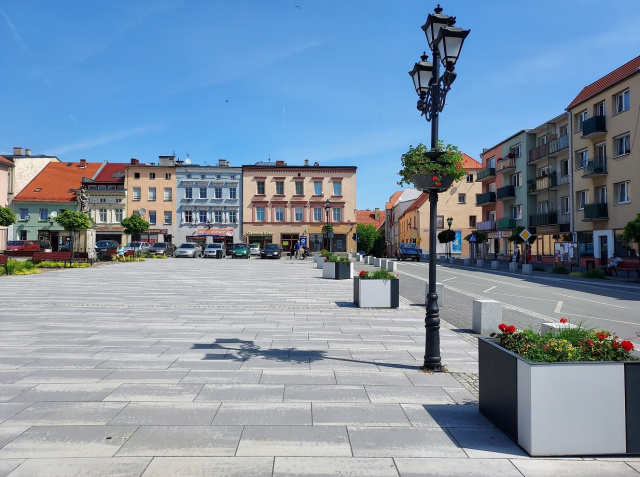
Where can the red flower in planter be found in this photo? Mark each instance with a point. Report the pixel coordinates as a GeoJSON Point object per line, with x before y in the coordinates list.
{"type": "Point", "coordinates": [602, 335]}
{"type": "Point", "coordinates": [589, 342]}
{"type": "Point", "coordinates": [502, 327]}
{"type": "Point", "coordinates": [434, 178]}
{"type": "Point", "coordinates": [510, 330]}
{"type": "Point", "coordinates": [563, 320]}
{"type": "Point", "coordinates": [615, 344]}
{"type": "Point", "coordinates": [362, 273]}
{"type": "Point", "coordinates": [627, 345]}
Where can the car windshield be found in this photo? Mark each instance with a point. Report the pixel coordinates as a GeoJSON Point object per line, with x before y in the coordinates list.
{"type": "Point", "coordinates": [214, 245]}
{"type": "Point", "coordinates": [134, 244]}
{"type": "Point", "coordinates": [15, 242]}
{"type": "Point", "coordinates": [159, 245]}
{"type": "Point", "coordinates": [103, 243]}
{"type": "Point", "coordinates": [188, 245]}
{"type": "Point", "coordinates": [240, 246]}
{"type": "Point", "coordinates": [271, 246]}
{"type": "Point", "coordinates": [254, 246]}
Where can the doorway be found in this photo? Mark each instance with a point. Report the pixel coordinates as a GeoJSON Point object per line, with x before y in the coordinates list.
{"type": "Point", "coordinates": [604, 250]}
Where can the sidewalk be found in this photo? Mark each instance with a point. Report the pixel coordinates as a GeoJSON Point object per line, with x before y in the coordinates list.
{"type": "Point", "coordinates": [236, 367]}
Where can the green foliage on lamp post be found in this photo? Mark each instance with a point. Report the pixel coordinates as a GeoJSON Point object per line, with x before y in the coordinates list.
{"type": "Point", "coordinates": [7, 217]}
{"type": "Point", "coordinates": [415, 161]}
{"type": "Point", "coordinates": [134, 225]}
{"type": "Point", "coordinates": [327, 228]}
{"type": "Point", "coordinates": [71, 220]}
{"type": "Point", "coordinates": [446, 236]}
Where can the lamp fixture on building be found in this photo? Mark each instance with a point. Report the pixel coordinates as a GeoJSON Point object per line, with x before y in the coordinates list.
{"type": "Point", "coordinates": [327, 208]}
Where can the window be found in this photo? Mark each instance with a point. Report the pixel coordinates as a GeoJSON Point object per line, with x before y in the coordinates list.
{"type": "Point", "coordinates": [279, 214]}
{"type": "Point", "coordinates": [622, 192]}
{"type": "Point", "coordinates": [167, 193]}
{"type": "Point", "coordinates": [218, 176]}
{"type": "Point", "coordinates": [136, 175]}
{"type": "Point", "coordinates": [317, 214]}
{"type": "Point", "coordinates": [167, 176]}
{"type": "Point", "coordinates": [217, 216]}
{"type": "Point", "coordinates": [203, 192]}
{"type": "Point", "coordinates": [622, 101]}
{"type": "Point", "coordinates": [462, 198]}
{"type": "Point", "coordinates": [599, 109]}
{"type": "Point", "coordinates": [152, 175]}
{"type": "Point", "coordinates": [439, 221]}
{"type": "Point", "coordinates": [317, 188]}
{"type": "Point", "coordinates": [188, 176]}
{"type": "Point", "coordinates": [516, 179]}
{"type": "Point", "coordinates": [217, 192]}
{"type": "Point", "coordinates": [564, 168]}
{"type": "Point", "coordinates": [564, 205]}
{"type": "Point", "coordinates": [280, 188]}
{"type": "Point", "coordinates": [337, 214]}
{"type": "Point", "coordinates": [167, 218]}
{"type": "Point", "coordinates": [472, 221]}
{"type": "Point", "coordinates": [491, 162]}
{"type": "Point", "coordinates": [232, 176]}
{"type": "Point", "coordinates": [515, 150]}
{"type": "Point", "coordinates": [202, 216]}
{"type": "Point", "coordinates": [581, 199]}
{"type": "Point", "coordinates": [152, 217]}
{"type": "Point", "coordinates": [564, 130]}
{"type": "Point", "coordinates": [582, 157]}
{"type": "Point", "coordinates": [260, 212]}
{"type": "Point", "coordinates": [188, 192]}
{"type": "Point", "coordinates": [299, 188]}
{"type": "Point", "coordinates": [136, 193]}
{"type": "Point", "coordinates": [103, 215]}
{"type": "Point", "coordinates": [623, 144]}
{"type": "Point", "coordinates": [44, 214]}
{"type": "Point", "coordinates": [579, 120]}
{"type": "Point", "coordinates": [541, 140]}
{"type": "Point", "coordinates": [23, 214]}
{"type": "Point", "coordinates": [203, 176]}
{"type": "Point", "coordinates": [469, 177]}
{"type": "Point", "coordinates": [232, 216]}
{"type": "Point", "coordinates": [260, 188]}
{"type": "Point", "coordinates": [119, 215]}
{"type": "Point", "coordinates": [337, 188]}
{"type": "Point", "coordinates": [516, 212]}
{"type": "Point", "coordinates": [188, 216]}
{"type": "Point", "coordinates": [232, 193]}
{"type": "Point", "coordinates": [601, 195]}
{"type": "Point", "coordinates": [152, 193]}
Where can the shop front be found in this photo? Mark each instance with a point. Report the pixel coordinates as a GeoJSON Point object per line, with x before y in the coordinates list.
{"type": "Point", "coordinates": [153, 236]}
{"type": "Point", "coordinates": [109, 232]}
{"type": "Point", "coordinates": [261, 238]}
{"type": "Point", "coordinates": [205, 236]}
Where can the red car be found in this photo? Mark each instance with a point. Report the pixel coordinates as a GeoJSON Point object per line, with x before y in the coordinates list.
{"type": "Point", "coordinates": [28, 245]}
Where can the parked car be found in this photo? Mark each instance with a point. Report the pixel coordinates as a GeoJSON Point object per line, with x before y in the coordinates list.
{"type": "Point", "coordinates": [188, 249]}
{"type": "Point", "coordinates": [240, 250]}
{"type": "Point", "coordinates": [138, 247]}
{"type": "Point", "coordinates": [25, 245]}
{"type": "Point", "coordinates": [229, 250]}
{"type": "Point", "coordinates": [271, 250]}
{"type": "Point", "coordinates": [213, 250]}
{"type": "Point", "coordinates": [254, 249]}
{"type": "Point", "coordinates": [102, 246]}
{"type": "Point", "coordinates": [163, 248]}
{"type": "Point", "coordinates": [66, 247]}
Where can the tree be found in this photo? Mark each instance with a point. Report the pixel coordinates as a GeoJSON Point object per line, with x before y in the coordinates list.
{"type": "Point", "coordinates": [7, 217]}
{"type": "Point", "coordinates": [380, 244]}
{"type": "Point", "coordinates": [367, 235]}
{"type": "Point", "coordinates": [446, 236]}
{"type": "Point", "coordinates": [631, 231]}
{"type": "Point", "coordinates": [515, 236]}
{"type": "Point", "coordinates": [71, 220]}
{"type": "Point", "coordinates": [480, 236]}
{"type": "Point", "coordinates": [134, 225]}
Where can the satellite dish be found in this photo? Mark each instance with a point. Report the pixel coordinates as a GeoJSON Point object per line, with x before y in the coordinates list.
{"type": "Point", "coordinates": [53, 214]}
{"type": "Point", "coordinates": [187, 161]}
{"type": "Point", "coordinates": [142, 211]}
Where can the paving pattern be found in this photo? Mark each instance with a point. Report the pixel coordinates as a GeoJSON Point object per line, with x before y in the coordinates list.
{"type": "Point", "coordinates": [236, 367]}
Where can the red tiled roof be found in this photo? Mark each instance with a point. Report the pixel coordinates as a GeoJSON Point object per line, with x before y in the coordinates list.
{"type": "Point", "coordinates": [108, 171]}
{"type": "Point", "coordinates": [6, 161]}
{"type": "Point", "coordinates": [393, 199]}
{"type": "Point", "coordinates": [606, 81]}
{"type": "Point", "coordinates": [56, 180]}
{"type": "Point", "coordinates": [470, 162]}
{"type": "Point", "coordinates": [369, 217]}
{"type": "Point", "coordinates": [421, 199]}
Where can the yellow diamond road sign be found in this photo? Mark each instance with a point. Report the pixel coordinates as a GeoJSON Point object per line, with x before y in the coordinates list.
{"type": "Point", "coordinates": [525, 234]}
{"type": "Point", "coordinates": [414, 236]}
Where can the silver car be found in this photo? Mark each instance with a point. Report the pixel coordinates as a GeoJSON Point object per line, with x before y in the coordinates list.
{"type": "Point", "coordinates": [138, 247]}
{"type": "Point", "coordinates": [188, 249]}
{"type": "Point", "coordinates": [214, 250]}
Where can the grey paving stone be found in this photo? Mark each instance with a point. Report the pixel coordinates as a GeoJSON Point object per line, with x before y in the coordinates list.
{"type": "Point", "coordinates": [166, 414]}
{"type": "Point", "coordinates": [328, 393]}
{"type": "Point", "coordinates": [570, 468]}
{"type": "Point", "coordinates": [78, 362]}
{"type": "Point", "coordinates": [9, 409]}
{"type": "Point", "coordinates": [210, 466]}
{"type": "Point", "coordinates": [136, 363]}
{"type": "Point", "coordinates": [7, 466]}
{"type": "Point", "coordinates": [402, 442]}
{"type": "Point", "coordinates": [223, 376]}
{"type": "Point", "coordinates": [205, 364]}
{"type": "Point", "coordinates": [66, 376]}
{"type": "Point", "coordinates": [409, 395]}
{"type": "Point", "coordinates": [460, 395]}
{"type": "Point", "coordinates": [454, 467]}
{"type": "Point", "coordinates": [8, 433]}
{"type": "Point", "coordinates": [479, 442]}
{"type": "Point", "coordinates": [365, 414]}
{"type": "Point", "coordinates": [67, 392]}
{"type": "Point", "coordinates": [418, 378]}
{"type": "Point", "coordinates": [373, 378]}
{"type": "Point", "coordinates": [277, 376]}
{"type": "Point", "coordinates": [242, 393]}
{"type": "Point", "coordinates": [66, 413]}
{"type": "Point", "coordinates": [264, 414]}
{"type": "Point", "coordinates": [155, 392]}
{"type": "Point", "coordinates": [146, 376]}
{"type": "Point", "coordinates": [294, 441]}
{"type": "Point", "coordinates": [10, 377]}
{"type": "Point", "coordinates": [328, 467]}
{"type": "Point", "coordinates": [85, 467]}
{"type": "Point", "coordinates": [67, 441]}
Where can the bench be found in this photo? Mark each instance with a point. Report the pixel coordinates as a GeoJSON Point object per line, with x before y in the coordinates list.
{"type": "Point", "coordinates": [3, 262]}
{"type": "Point", "coordinates": [626, 265]}
{"type": "Point", "coordinates": [65, 257]}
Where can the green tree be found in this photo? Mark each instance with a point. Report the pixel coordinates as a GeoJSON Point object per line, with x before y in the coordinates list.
{"type": "Point", "coordinates": [446, 236]}
{"type": "Point", "coordinates": [71, 220]}
{"type": "Point", "coordinates": [134, 225]}
{"type": "Point", "coordinates": [515, 236]}
{"type": "Point", "coordinates": [367, 235]}
{"type": "Point", "coordinates": [380, 244]}
{"type": "Point", "coordinates": [631, 231]}
{"type": "Point", "coordinates": [7, 217]}
{"type": "Point", "coordinates": [480, 236]}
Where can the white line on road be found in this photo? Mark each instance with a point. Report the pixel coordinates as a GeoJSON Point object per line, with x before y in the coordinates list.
{"type": "Point", "coordinates": [558, 307]}
{"type": "Point", "coordinates": [490, 288]}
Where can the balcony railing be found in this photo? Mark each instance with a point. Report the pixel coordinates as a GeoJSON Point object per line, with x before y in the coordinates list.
{"type": "Point", "coordinates": [546, 182]}
{"type": "Point", "coordinates": [594, 126]}
{"type": "Point", "coordinates": [506, 192]}
{"type": "Point", "coordinates": [558, 145]}
{"type": "Point", "coordinates": [550, 218]}
{"type": "Point", "coordinates": [486, 173]}
{"type": "Point", "coordinates": [506, 224]}
{"type": "Point", "coordinates": [488, 198]}
{"type": "Point", "coordinates": [563, 181]}
{"type": "Point", "coordinates": [538, 153]}
{"type": "Point", "coordinates": [595, 212]}
{"type": "Point", "coordinates": [486, 225]}
{"type": "Point", "coordinates": [506, 164]}
{"type": "Point", "coordinates": [597, 167]}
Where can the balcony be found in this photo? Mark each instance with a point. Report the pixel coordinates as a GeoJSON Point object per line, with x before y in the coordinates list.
{"type": "Point", "coordinates": [487, 225]}
{"type": "Point", "coordinates": [593, 212]}
{"type": "Point", "coordinates": [538, 153]}
{"type": "Point", "coordinates": [563, 181]}
{"type": "Point", "coordinates": [506, 224]}
{"type": "Point", "coordinates": [506, 192]}
{"type": "Point", "coordinates": [558, 145]}
{"type": "Point", "coordinates": [484, 199]}
{"type": "Point", "coordinates": [506, 164]}
{"type": "Point", "coordinates": [597, 167]}
{"type": "Point", "coordinates": [550, 218]}
{"type": "Point", "coordinates": [546, 182]}
{"type": "Point", "coordinates": [485, 174]}
{"type": "Point", "coordinates": [594, 127]}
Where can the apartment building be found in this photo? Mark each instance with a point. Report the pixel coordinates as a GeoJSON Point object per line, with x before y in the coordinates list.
{"type": "Point", "coordinates": [27, 166]}
{"type": "Point", "coordinates": [208, 203]}
{"type": "Point", "coordinates": [105, 200]}
{"type": "Point", "coordinates": [282, 203]}
{"type": "Point", "coordinates": [151, 191]}
{"type": "Point", "coordinates": [398, 203]}
{"type": "Point", "coordinates": [6, 184]}
{"type": "Point", "coordinates": [604, 163]}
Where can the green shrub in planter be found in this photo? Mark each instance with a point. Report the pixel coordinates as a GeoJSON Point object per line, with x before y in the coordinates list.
{"type": "Point", "coordinates": [594, 273]}
{"type": "Point", "coordinates": [559, 269]}
{"type": "Point", "coordinates": [538, 269]}
{"type": "Point", "coordinates": [575, 274]}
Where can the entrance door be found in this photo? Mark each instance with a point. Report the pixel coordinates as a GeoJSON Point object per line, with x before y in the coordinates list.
{"type": "Point", "coordinates": [604, 250]}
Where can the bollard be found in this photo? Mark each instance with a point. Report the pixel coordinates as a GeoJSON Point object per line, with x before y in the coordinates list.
{"type": "Point", "coordinates": [513, 266]}
{"type": "Point", "coordinates": [495, 264]}
{"type": "Point", "coordinates": [376, 262]}
{"type": "Point", "coordinates": [466, 261]}
{"type": "Point", "coordinates": [479, 263]}
{"type": "Point", "coordinates": [439, 292]}
{"type": "Point", "coordinates": [383, 262]}
{"type": "Point", "coordinates": [555, 327]}
{"type": "Point", "coordinates": [487, 315]}
{"type": "Point", "coordinates": [527, 268]}
{"type": "Point", "coordinates": [452, 259]}
{"type": "Point", "coordinates": [392, 265]}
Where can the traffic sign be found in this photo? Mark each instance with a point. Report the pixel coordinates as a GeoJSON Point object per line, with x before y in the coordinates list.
{"type": "Point", "coordinates": [414, 236]}
{"type": "Point", "coordinates": [472, 238]}
{"type": "Point", "coordinates": [525, 235]}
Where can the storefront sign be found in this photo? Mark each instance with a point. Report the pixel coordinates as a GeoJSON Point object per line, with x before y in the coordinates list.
{"type": "Point", "coordinates": [548, 230]}
{"type": "Point", "coordinates": [157, 231]}
{"type": "Point", "coordinates": [215, 232]}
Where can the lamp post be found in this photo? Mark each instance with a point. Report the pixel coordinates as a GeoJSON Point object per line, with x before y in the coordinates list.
{"type": "Point", "coordinates": [445, 42]}
{"type": "Point", "coordinates": [449, 222]}
{"type": "Point", "coordinates": [327, 208]}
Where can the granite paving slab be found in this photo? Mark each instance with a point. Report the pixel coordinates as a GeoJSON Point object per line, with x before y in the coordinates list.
{"type": "Point", "coordinates": [166, 414]}
{"type": "Point", "coordinates": [294, 441]}
{"type": "Point", "coordinates": [456, 467]}
{"type": "Point", "coordinates": [328, 467]}
{"type": "Point", "coordinates": [66, 413]}
{"type": "Point", "coordinates": [264, 414]}
{"type": "Point", "coordinates": [83, 467]}
{"type": "Point", "coordinates": [210, 466]}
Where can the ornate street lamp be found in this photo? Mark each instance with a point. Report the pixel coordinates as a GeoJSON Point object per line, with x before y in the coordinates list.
{"type": "Point", "coordinates": [327, 208]}
{"type": "Point", "coordinates": [449, 223]}
{"type": "Point", "coordinates": [445, 42]}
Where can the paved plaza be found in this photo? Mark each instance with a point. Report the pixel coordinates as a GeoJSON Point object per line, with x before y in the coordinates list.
{"type": "Point", "coordinates": [194, 367]}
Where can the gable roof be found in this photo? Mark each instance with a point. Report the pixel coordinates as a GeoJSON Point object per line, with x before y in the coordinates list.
{"type": "Point", "coordinates": [6, 162]}
{"type": "Point", "coordinates": [369, 217]}
{"type": "Point", "coordinates": [56, 180]}
{"type": "Point", "coordinates": [416, 204]}
{"type": "Point", "coordinates": [393, 199]}
{"type": "Point", "coordinates": [111, 172]}
{"type": "Point", "coordinates": [606, 81]}
{"type": "Point", "coordinates": [470, 162]}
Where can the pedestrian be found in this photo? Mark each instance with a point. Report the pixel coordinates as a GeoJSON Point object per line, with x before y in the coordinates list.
{"type": "Point", "coordinates": [613, 265]}
{"type": "Point", "coordinates": [296, 249]}
{"type": "Point", "coordinates": [516, 255]}
{"type": "Point", "coordinates": [528, 254]}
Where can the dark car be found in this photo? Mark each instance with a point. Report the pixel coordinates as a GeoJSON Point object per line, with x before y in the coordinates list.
{"type": "Point", "coordinates": [162, 248]}
{"type": "Point", "coordinates": [229, 250]}
{"type": "Point", "coordinates": [66, 247]}
{"type": "Point", "coordinates": [241, 250]}
{"type": "Point", "coordinates": [271, 250]}
{"type": "Point", "coordinates": [103, 246]}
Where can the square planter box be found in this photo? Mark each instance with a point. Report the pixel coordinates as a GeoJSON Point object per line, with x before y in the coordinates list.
{"type": "Point", "coordinates": [561, 409]}
{"type": "Point", "coordinates": [337, 270]}
{"type": "Point", "coordinates": [376, 293]}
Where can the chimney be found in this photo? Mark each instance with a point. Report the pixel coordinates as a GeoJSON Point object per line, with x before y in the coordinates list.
{"type": "Point", "coordinates": [315, 164]}
{"type": "Point", "coordinates": [279, 163]}
{"type": "Point", "coordinates": [376, 214]}
{"type": "Point", "coordinates": [223, 162]}
{"type": "Point", "coordinates": [306, 162]}
{"type": "Point", "coordinates": [27, 152]}
{"type": "Point", "coordinates": [134, 161]}
{"type": "Point", "coordinates": [83, 163]}
{"type": "Point", "coordinates": [18, 151]}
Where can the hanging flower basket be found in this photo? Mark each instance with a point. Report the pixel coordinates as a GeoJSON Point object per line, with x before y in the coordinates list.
{"type": "Point", "coordinates": [427, 182]}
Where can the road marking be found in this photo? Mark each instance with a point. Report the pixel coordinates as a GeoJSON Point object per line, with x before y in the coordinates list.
{"type": "Point", "coordinates": [558, 306]}
{"type": "Point", "coordinates": [490, 288]}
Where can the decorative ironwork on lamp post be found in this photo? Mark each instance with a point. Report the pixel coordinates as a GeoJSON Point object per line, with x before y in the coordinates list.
{"type": "Point", "coordinates": [327, 208]}
{"type": "Point", "coordinates": [445, 42]}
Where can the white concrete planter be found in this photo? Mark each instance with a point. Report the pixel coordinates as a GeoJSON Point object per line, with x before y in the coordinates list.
{"type": "Point", "coordinates": [320, 263]}
{"type": "Point", "coordinates": [527, 269]}
{"type": "Point", "coordinates": [376, 293]}
{"type": "Point", "coordinates": [561, 409]}
{"type": "Point", "coordinates": [337, 270]}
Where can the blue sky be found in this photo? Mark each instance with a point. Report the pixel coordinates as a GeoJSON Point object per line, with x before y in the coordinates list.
{"type": "Point", "coordinates": [324, 80]}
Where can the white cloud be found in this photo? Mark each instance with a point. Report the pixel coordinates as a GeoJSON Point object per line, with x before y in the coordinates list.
{"type": "Point", "coordinates": [105, 139]}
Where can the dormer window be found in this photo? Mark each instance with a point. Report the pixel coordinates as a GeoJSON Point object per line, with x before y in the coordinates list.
{"type": "Point", "coordinates": [38, 189]}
